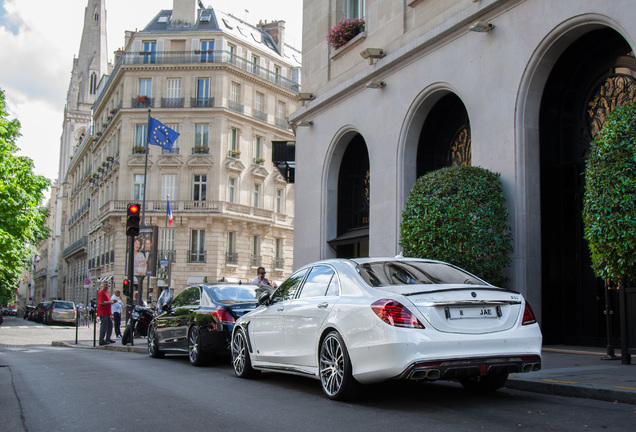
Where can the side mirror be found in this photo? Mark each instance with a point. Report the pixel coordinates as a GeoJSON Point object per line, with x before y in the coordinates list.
{"type": "Point", "coordinates": [263, 299]}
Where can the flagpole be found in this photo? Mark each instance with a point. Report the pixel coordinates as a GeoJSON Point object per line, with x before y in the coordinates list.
{"type": "Point", "coordinates": [165, 234]}
{"type": "Point", "coordinates": [143, 205]}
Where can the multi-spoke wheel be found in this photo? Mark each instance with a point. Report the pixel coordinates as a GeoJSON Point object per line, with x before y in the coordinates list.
{"type": "Point", "coordinates": [485, 383]}
{"type": "Point", "coordinates": [241, 356]}
{"type": "Point", "coordinates": [153, 347]}
{"type": "Point", "coordinates": [195, 353]}
{"type": "Point", "coordinates": [335, 368]}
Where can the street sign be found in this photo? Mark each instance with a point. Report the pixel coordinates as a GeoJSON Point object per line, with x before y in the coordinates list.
{"type": "Point", "coordinates": [87, 281]}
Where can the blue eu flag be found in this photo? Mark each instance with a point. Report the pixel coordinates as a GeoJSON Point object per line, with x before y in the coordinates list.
{"type": "Point", "coordinates": [161, 135]}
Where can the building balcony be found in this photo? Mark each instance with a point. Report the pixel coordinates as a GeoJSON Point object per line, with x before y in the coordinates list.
{"type": "Point", "coordinates": [282, 123]}
{"type": "Point", "coordinates": [279, 263]}
{"type": "Point", "coordinates": [259, 115]}
{"type": "Point", "coordinates": [175, 150]}
{"type": "Point", "coordinates": [231, 258]}
{"type": "Point", "coordinates": [77, 246]}
{"type": "Point", "coordinates": [142, 102]}
{"type": "Point", "coordinates": [235, 106]}
{"type": "Point", "coordinates": [196, 102]}
{"type": "Point", "coordinates": [172, 102]}
{"type": "Point", "coordinates": [202, 149]}
{"type": "Point", "coordinates": [167, 254]}
{"type": "Point", "coordinates": [196, 256]}
{"type": "Point", "coordinates": [256, 260]}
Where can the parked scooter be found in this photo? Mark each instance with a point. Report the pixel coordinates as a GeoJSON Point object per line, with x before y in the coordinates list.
{"type": "Point", "coordinates": [141, 316]}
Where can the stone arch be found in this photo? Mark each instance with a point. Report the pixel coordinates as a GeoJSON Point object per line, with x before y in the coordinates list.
{"type": "Point", "coordinates": [335, 234]}
{"type": "Point", "coordinates": [530, 271]}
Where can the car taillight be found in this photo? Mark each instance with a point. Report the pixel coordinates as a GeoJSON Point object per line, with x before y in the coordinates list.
{"type": "Point", "coordinates": [396, 314]}
{"type": "Point", "coordinates": [223, 316]}
{"type": "Point", "coordinates": [528, 315]}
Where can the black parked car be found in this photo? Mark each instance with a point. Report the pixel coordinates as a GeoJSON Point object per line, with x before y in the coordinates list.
{"type": "Point", "coordinates": [199, 321]}
{"type": "Point", "coordinates": [40, 311]}
{"type": "Point", "coordinates": [28, 312]}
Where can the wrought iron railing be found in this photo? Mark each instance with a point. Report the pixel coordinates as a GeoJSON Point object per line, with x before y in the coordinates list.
{"type": "Point", "coordinates": [196, 102]}
{"type": "Point", "coordinates": [196, 256]}
{"type": "Point", "coordinates": [172, 102]}
{"type": "Point", "coordinates": [231, 258]}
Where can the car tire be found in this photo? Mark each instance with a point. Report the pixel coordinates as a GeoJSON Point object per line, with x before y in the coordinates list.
{"type": "Point", "coordinates": [195, 350]}
{"type": "Point", "coordinates": [485, 383]}
{"type": "Point", "coordinates": [153, 345]}
{"type": "Point", "coordinates": [241, 361]}
{"type": "Point", "coordinates": [335, 369]}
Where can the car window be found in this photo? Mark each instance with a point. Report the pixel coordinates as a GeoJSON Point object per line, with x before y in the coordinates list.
{"type": "Point", "coordinates": [232, 293]}
{"type": "Point", "coordinates": [188, 297]}
{"type": "Point", "coordinates": [63, 305]}
{"type": "Point", "coordinates": [288, 289]}
{"type": "Point", "coordinates": [383, 273]}
{"type": "Point", "coordinates": [317, 282]}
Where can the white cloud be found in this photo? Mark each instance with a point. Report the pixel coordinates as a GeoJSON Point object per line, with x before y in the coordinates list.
{"type": "Point", "coordinates": [40, 38]}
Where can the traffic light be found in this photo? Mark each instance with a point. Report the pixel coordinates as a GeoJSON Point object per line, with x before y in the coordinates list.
{"type": "Point", "coordinates": [127, 292]}
{"type": "Point", "coordinates": [132, 220]}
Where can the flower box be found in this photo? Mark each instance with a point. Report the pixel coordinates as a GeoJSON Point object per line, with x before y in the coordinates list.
{"type": "Point", "coordinates": [344, 31]}
{"type": "Point", "coordinates": [143, 99]}
{"type": "Point", "coordinates": [235, 153]}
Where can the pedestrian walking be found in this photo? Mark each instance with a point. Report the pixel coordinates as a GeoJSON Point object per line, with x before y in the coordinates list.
{"type": "Point", "coordinates": [116, 309]}
{"type": "Point", "coordinates": [104, 313]}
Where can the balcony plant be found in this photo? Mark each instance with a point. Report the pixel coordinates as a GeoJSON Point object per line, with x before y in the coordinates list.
{"type": "Point", "coordinates": [139, 149]}
{"type": "Point", "coordinates": [260, 160]}
{"type": "Point", "coordinates": [235, 153]}
{"type": "Point", "coordinates": [344, 31]}
{"type": "Point", "coordinates": [200, 149]}
{"type": "Point", "coordinates": [143, 99]}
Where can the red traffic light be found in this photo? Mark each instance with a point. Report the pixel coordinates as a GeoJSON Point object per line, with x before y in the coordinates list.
{"type": "Point", "coordinates": [133, 208]}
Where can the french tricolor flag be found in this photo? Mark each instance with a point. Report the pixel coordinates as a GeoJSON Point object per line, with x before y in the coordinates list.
{"type": "Point", "coordinates": [169, 214]}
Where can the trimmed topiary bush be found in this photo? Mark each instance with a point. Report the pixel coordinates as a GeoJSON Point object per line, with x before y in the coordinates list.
{"type": "Point", "coordinates": [609, 204]}
{"type": "Point", "coordinates": [458, 215]}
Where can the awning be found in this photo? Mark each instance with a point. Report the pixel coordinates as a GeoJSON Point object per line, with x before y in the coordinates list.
{"type": "Point", "coordinates": [105, 279]}
{"type": "Point", "coordinates": [356, 235]}
{"type": "Point", "coordinates": [231, 280]}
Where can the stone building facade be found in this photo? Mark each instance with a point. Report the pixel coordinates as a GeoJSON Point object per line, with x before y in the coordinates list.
{"type": "Point", "coordinates": [227, 87]}
{"type": "Point", "coordinates": [519, 87]}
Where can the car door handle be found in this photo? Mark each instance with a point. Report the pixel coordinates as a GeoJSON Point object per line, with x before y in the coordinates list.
{"type": "Point", "coordinates": [323, 305]}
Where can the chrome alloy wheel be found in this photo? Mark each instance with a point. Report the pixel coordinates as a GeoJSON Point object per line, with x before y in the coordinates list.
{"type": "Point", "coordinates": [194, 353]}
{"type": "Point", "coordinates": [239, 351]}
{"type": "Point", "coordinates": [332, 364]}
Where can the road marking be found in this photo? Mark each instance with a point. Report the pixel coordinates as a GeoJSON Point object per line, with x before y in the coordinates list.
{"type": "Point", "coordinates": [624, 388]}
{"type": "Point", "coordinates": [559, 381]}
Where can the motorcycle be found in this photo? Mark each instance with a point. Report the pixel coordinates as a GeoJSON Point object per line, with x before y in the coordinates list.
{"type": "Point", "coordinates": [141, 316]}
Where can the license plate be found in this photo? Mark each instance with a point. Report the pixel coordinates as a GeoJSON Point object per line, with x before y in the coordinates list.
{"type": "Point", "coordinates": [64, 313]}
{"type": "Point", "coordinates": [473, 312]}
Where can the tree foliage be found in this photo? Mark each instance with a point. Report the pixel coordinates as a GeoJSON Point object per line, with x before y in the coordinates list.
{"type": "Point", "coordinates": [458, 215]}
{"type": "Point", "coordinates": [609, 204]}
{"type": "Point", "coordinates": [22, 220]}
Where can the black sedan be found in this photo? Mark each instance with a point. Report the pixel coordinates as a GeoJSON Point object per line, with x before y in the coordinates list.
{"type": "Point", "coordinates": [199, 321]}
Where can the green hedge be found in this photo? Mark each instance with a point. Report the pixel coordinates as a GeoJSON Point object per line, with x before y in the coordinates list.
{"type": "Point", "coordinates": [609, 204]}
{"type": "Point", "coordinates": [458, 215]}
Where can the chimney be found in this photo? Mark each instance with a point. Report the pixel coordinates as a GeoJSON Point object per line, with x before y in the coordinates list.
{"type": "Point", "coordinates": [184, 13]}
{"type": "Point", "coordinates": [276, 29]}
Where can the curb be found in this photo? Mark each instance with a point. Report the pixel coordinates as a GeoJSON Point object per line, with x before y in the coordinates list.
{"type": "Point", "coordinates": [577, 391]}
{"type": "Point", "coordinates": [139, 349]}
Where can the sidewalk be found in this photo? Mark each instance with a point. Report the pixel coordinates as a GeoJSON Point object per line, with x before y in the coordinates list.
{"type": "Point", "coordinates": [579, 372]}
{"type": "Point", "coordinates": [566, 371]}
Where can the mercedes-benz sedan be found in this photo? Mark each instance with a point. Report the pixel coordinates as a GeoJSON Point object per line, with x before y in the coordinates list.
{"type": "Point", "coordinates": [347, 322]}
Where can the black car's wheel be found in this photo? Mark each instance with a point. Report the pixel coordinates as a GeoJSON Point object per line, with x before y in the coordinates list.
{"type": "Point", "coordinates": [241, 356]}
{"type": "Point", "coordinates": [485, 383]}
{"type": "Point", "coordinates": [195, 351]}
{"type": "Point", "coordinates": [153, 346]}
{"type": "Point", "coordinates": [335, 368]}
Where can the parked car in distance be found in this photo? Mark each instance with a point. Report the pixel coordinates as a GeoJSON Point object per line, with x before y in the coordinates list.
{"type": "Point", "coordinates": [348, 322]}
{"type": "Point", "coordinates": [199, 320]}
{"type": "Point", "coordinates": [28, 311]}
{"type": "Point", "coordinates": [61, 311]}
{"type": "Point", "coordinates": [40, 311]}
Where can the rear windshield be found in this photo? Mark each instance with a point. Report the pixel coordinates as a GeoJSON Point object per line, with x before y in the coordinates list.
{"type": "Point", "coordinates": [384, 273]}
{"type": "Point", "coordinates": [232, 293]}
{"type": "Point", "coordinates": [63, 305]}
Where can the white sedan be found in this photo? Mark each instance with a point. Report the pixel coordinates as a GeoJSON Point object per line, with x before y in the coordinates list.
{"type": "Point", "coordinates": [359, 321]}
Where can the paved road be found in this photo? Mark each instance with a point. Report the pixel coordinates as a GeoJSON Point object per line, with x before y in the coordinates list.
{"type": "Point", "coordinates": [49, 388]}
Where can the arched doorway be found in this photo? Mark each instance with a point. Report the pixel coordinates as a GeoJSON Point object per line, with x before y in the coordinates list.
{"type": "Point", "coordinates": [445, 138]}
{"type": "Point", "coordinates": [594, 74]}
{"type": "Point", "coordinates": [354, 182]}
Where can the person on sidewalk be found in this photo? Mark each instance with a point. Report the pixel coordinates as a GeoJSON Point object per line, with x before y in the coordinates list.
{"type": "Point", "coordinates": [260, 278]}
{"type": "Point", "coordinates": [116, 310]}
{"type": "Point", "coordinates": [103, 312]}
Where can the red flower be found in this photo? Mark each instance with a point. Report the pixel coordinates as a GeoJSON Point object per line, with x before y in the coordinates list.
{"type": "Point", "coordinates": [344, 31]}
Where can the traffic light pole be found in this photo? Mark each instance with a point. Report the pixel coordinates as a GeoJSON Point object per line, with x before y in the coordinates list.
{"type": "Point", "coordinates": [129, 301]}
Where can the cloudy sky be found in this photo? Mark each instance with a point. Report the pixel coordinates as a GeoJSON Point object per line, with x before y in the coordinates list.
{"type": "Point", "coordinates": [39, 38]}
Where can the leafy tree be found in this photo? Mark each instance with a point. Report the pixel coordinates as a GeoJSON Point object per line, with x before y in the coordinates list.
{"type": "Point", "coordinates": [22, 220]}
{"type": "Point", "coordinates": [458, 215]}
{"type": "Point", "coordinates": [609, 204]}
